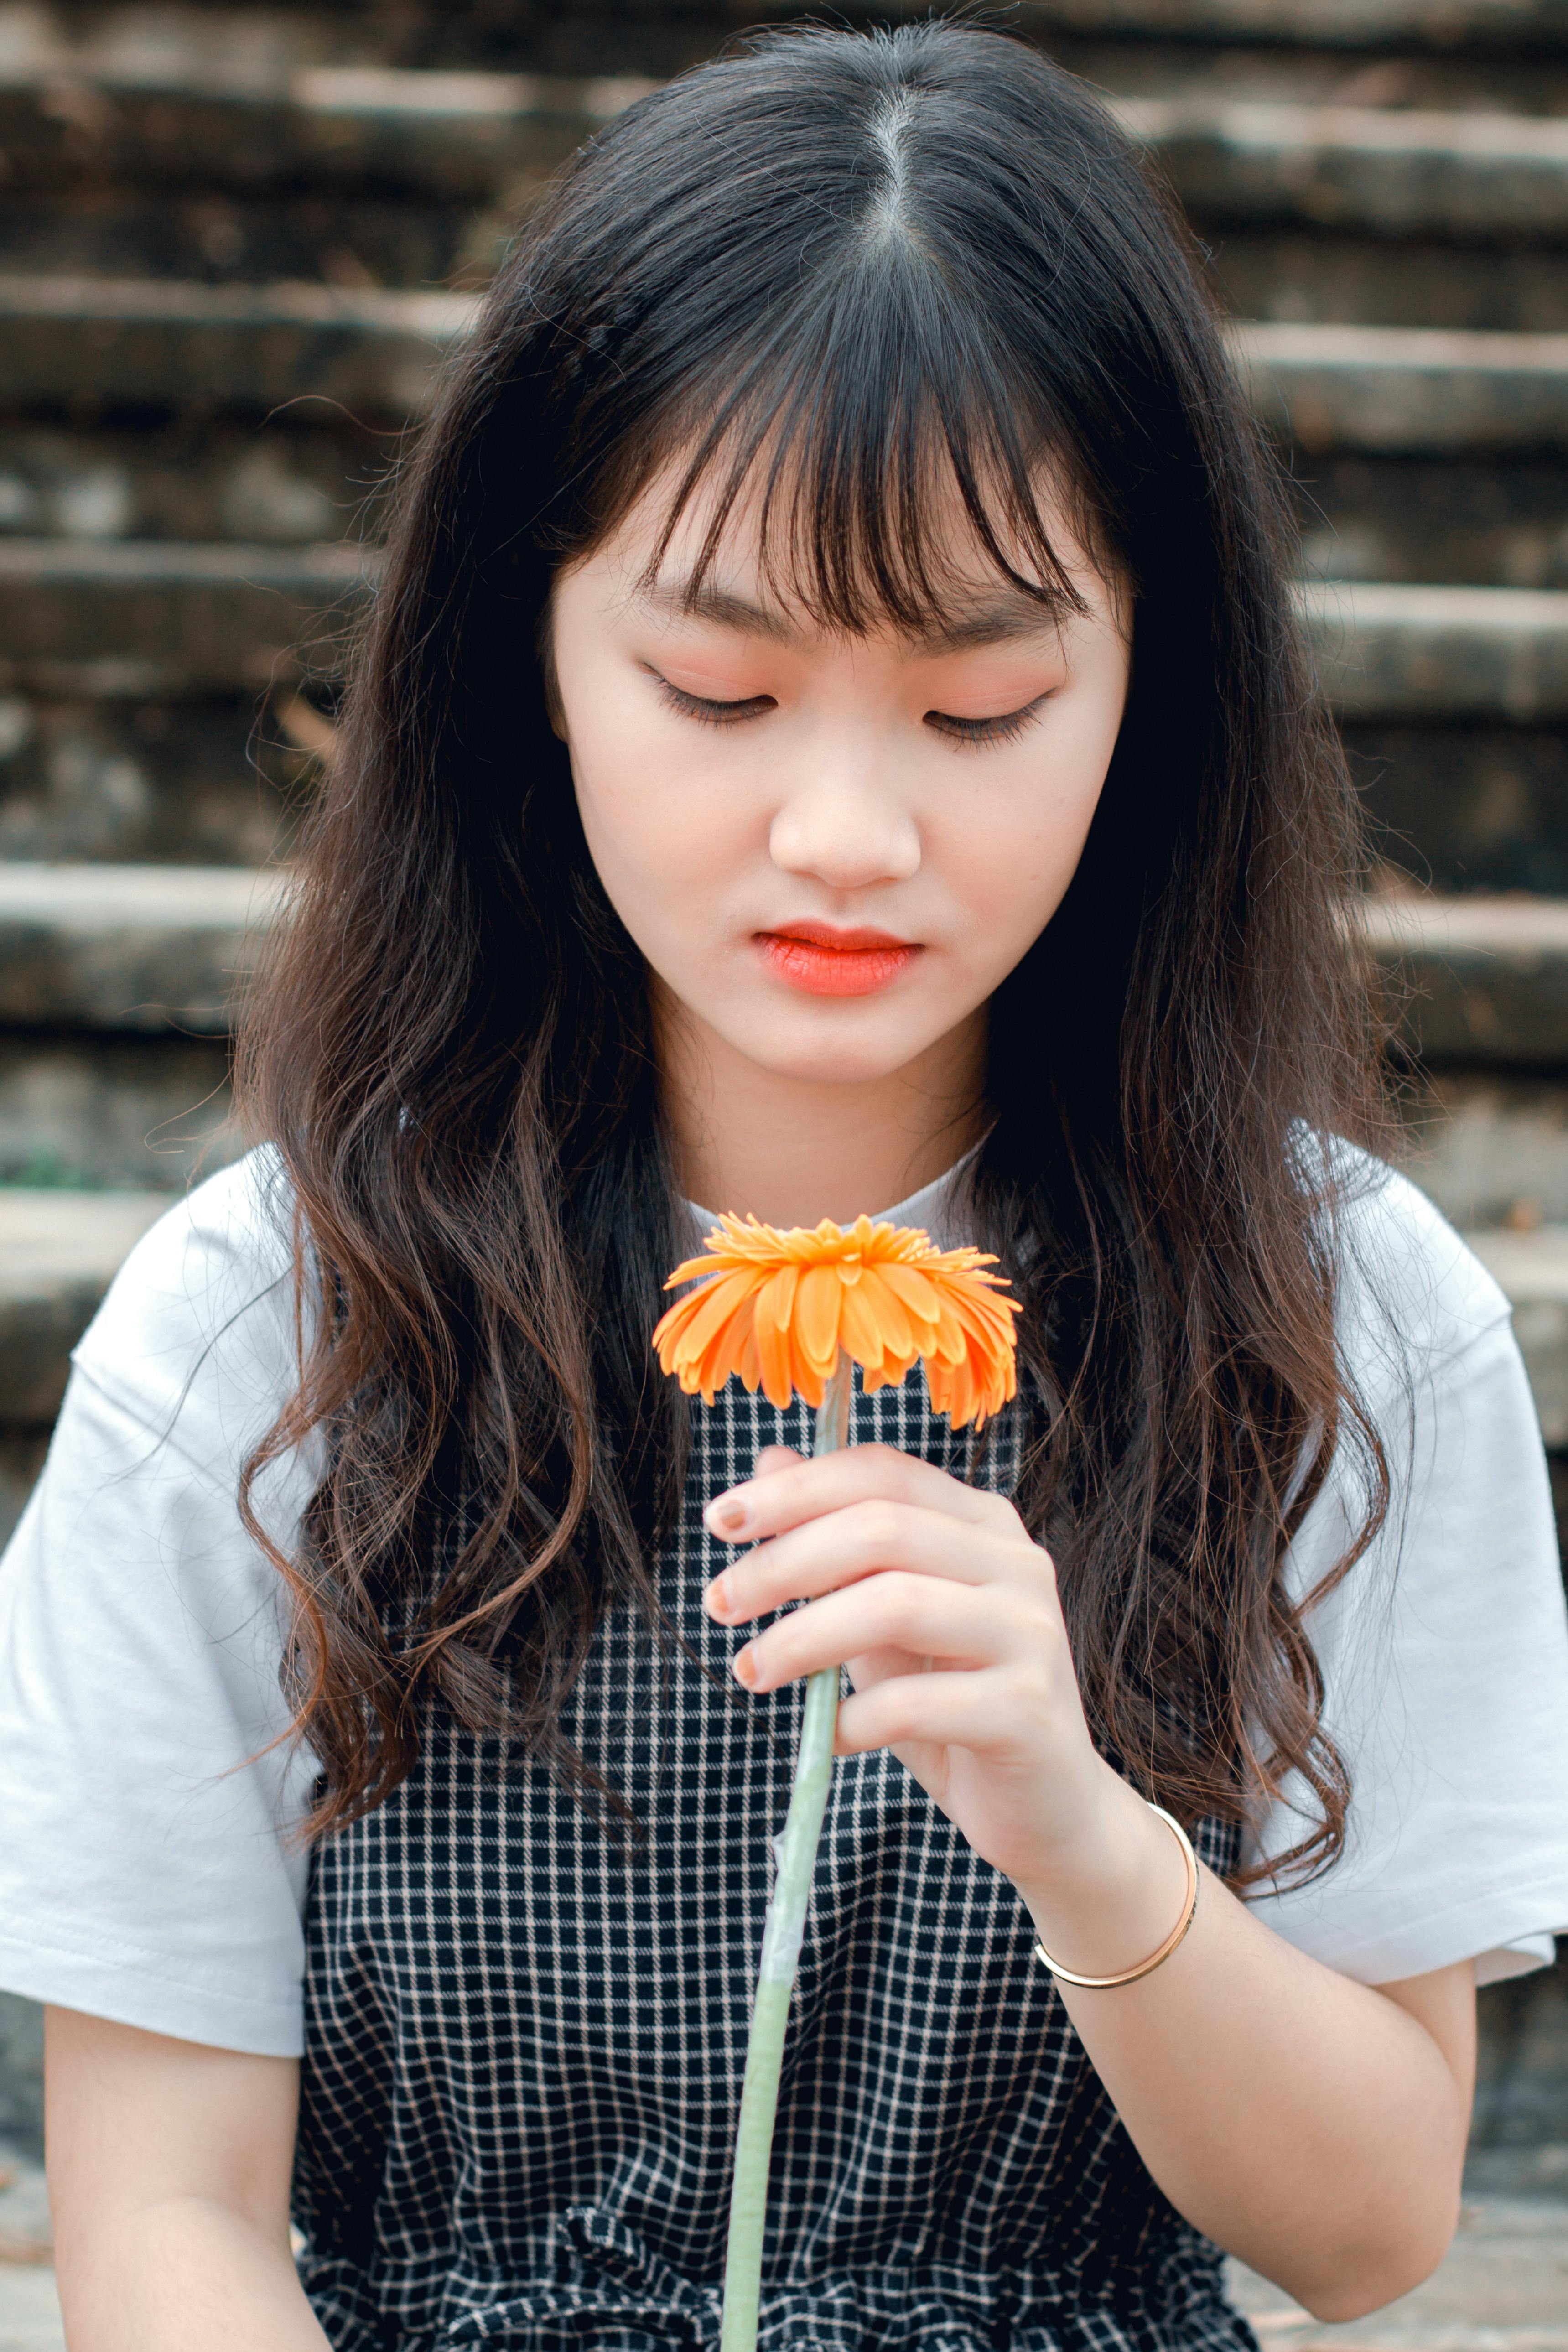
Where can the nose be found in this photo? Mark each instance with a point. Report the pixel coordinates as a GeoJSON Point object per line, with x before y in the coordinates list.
{"type": "Point", "coordinates": [845, 832]}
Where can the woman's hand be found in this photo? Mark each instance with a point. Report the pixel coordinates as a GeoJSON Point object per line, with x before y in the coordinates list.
{"type": "Point", "coordinates": [946, 1613]}
{"type": "Point", "coordinates": [1312, 2125]}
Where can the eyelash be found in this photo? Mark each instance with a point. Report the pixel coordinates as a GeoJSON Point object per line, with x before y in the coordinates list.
{"type": "Point", "coordinates": [976, 733]}
{"type": "Point", "coordinates": [972, 734]}
{"type": "Point", "coordinates": [711, 714]}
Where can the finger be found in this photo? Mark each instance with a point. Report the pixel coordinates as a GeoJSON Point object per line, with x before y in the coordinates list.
{"type": "Point", "coordinates": [772, 1459]}
{"type": "Point", "coordinates": [863, 1539]}
{"type": "Point", "coordinates": [940, 1710]}
{"type": "Point", "coordinates": [952, 1622]}
{"type": "Point", "coordinates": [828, 1482]}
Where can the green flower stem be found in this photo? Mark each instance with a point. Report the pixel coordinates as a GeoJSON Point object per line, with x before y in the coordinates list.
{"type": "Point", "coordinates": [795, 1851]}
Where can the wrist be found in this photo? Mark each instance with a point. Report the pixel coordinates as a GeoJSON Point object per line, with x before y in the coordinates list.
{"type": "Point", "coordinates": [1115, 1894]}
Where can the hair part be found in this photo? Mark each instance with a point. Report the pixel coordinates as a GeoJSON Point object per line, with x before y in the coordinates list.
{"type": "Point", "coordinates": [846, 273]}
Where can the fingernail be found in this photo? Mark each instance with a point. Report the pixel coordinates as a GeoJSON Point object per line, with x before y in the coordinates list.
{"type": "Point", "coordinates": [745, 1668]}
{"type": "Point", "coordinates": [716, 1599]}
{"type": "Point", "coordinates": [728, 1516]}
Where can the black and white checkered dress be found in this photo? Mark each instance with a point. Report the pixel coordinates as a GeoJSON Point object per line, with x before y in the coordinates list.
{"type": "Point", "coordinates": [524, 2042]}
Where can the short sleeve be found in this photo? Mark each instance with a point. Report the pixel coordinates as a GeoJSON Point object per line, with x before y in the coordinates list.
{"type": "Point", "coordinates": [147, 1784]}
{"type": "Point", "coordinates": [1445, 1650]}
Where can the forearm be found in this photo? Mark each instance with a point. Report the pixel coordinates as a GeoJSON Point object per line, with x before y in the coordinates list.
{"type": "Point", "coordinates": [182, 2274]}
{"type": "Point", "coordinates": [1306, 2123]}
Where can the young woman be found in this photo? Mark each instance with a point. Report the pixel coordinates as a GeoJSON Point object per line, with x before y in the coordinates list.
{"type": "Point", "coordinates": [831, 735]}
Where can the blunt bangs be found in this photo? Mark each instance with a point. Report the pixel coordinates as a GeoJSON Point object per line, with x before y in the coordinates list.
{"type": "Point", "coordinates": [876, 454]}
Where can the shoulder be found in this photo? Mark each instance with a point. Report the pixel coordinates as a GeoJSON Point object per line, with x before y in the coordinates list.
{"type": "Point", "coordinates": [203, 1311]}
{"type": "Point", "coordinates": [1412, 1301]}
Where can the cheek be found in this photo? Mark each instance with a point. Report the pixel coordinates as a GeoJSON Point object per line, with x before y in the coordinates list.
{"type": "Point", "coordinates": [1009, 848]}
{"type": "Point", "coordinates": [659, 837]}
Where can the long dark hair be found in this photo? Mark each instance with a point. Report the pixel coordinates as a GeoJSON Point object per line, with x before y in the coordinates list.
{"type": "Point", "coordinates": [852, 260]}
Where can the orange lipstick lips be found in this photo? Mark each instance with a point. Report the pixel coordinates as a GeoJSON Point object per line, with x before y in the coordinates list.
{"type": "Point", "coordinates": [822, 961]}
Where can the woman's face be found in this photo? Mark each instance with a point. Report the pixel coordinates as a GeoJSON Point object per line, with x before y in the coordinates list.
{"type": "Point", "coordinates": [830, 849]}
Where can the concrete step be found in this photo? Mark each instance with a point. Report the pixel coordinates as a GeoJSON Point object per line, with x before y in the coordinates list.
{"type": "Point", "coordinates": [260, 46]}
{"type": "Point", "coordinates": [1447, 521]}
{"type": "Point", "coordinates": [1463, 809]}
{"type": "Point", "coordinates": [1392, 172]}
{"type": "Point", "coordinates": [145, 342]}
{"type": "Point", "coordinates": [352, 240]}
{"type": "Point", "coordinates": [327, 61]}
{"type": "Point", "coordinates": [491, 138]}
{"type": "Point", "coordinates": [105, 970]}
{"type": "Point", "coordinates": [58, 1252]}
{"type": "Point", "coordinates": [1490, 1148]}
{"type": "Point", "coordinates": [1532, 1268]}
{"type": "Point", "coordinates": [277, 480]}
{"type": "Point", "coordinates": [1475, 980]}
{"type": "Point", "coordinates": [141, 343]}
{"type": "Point", "coordinates": [1396, 650]}
{"type": "Point", "coordinates": [107, 1110]}
{"type": "Point", "coordinates": [124, 619]}
{"type": "Point", "coordinates": [464, 137]}
{"type": "Point", "coordinates": [1427, 390]}
{"type": "Point", "coordinates": [150, 949]}
{"type": "Point", "coordinates": [1497, 518]}
{"type": "Point", "coordinates": [216, 782]}
{"type": "Point", "coordinates": [118, 619]}
{"type": "Point", "coordinates": [1328, 277]}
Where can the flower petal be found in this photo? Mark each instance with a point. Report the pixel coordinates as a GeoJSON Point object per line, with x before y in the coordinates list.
{"type": "Point", "coordinates": [817, 1305]}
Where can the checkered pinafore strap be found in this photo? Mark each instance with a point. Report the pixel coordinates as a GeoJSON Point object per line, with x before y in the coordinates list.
{"type": "Point", "coordinates": [525, 2040]}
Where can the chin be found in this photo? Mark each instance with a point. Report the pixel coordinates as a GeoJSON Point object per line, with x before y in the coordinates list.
{"type": "Point", "coordinates": [846, 1060]}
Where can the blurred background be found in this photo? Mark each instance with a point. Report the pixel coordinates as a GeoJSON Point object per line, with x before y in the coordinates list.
{"type": "Point", "coordinates": [235, 241]}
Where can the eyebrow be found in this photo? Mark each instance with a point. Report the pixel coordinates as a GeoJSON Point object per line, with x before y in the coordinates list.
{"type": "Point", "coordinates": [1001, 619]}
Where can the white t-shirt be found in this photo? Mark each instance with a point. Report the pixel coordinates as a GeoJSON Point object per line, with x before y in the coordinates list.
{"type": "Point", "coordinates": [147, 1872]}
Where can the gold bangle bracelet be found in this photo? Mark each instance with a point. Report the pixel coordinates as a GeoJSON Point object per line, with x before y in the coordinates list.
{"type": "Point", "coordinates": [1145, 1968]}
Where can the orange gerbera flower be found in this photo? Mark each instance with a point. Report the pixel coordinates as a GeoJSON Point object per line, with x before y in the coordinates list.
{"type": "Point", "coordinates": [780, 1306]}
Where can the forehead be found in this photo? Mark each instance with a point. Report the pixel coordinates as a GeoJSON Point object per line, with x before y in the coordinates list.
{"type": "Point", "coordinates": [760, 554]}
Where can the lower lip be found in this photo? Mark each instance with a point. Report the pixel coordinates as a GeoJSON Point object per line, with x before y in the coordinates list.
{"type": "Point", "coordinates": [834, 972]}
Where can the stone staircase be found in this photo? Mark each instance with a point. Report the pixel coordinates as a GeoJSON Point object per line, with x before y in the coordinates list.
{"type": "Point", "coordinates": [235, 242]}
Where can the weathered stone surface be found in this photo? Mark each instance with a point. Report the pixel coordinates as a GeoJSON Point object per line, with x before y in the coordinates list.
{"type": "Point", "coordinates": [270, 479]}
{"type": "Point", "coordinates": [208, 783]}
{"type": "Point", "coordinates": [21, 2077]}
{"type": "Point", "coordinates": [1490, 1149]}
{"type": "Point", "coordinates": [1390, 173]}
{"type": "Point", "coordinates": [348, 239]}
{"type": "Point", "coordinates": [1479, 980]}
{"type": "Point", "coordinates": [30, 2317]}
{"type": "Point", "coordinates": [127, 947]}
{"type": "Point", "coordinates": [1335, 279]}
{"type": "Point", "coordinates": [117, 619]}
{"type": "Point", "coordinates": [1398, 650]}
{"type": "Point", "coordinates": [151, 618]}
{"type": "Point", "coordinates": [58, 1253]}
{"type": "Point", "coordinates": [142, 342]}
{"type": "Point", "coordinates": [465, 137]}
{"type": "Point", "coordinates": [127, 1112]}
{"type": "Point", "coordinates": [1521, 2080]}
{"type": "Point", "coordinates": [1405, 388]}
{"type": "Point", "coordinates": [1357, 24]}
{"type": "Point", "coordinates": [483, 138]}
{"type": "Point", "coordinates": [1466, 808]}
{"type": "Point", "coordinates": [1501, 523]}
{"type": "Point", "coordinates": [1533, 1270]}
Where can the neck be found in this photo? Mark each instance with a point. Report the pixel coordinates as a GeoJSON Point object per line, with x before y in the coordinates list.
{"type": "Point", "coordinates": [793, 1151]}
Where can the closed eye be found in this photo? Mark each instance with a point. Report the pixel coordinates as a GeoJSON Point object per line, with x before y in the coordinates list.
{"type": "Point", "coordinates": [977, 732]}
{"type": "Point", "coordinates": [705, 710]}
